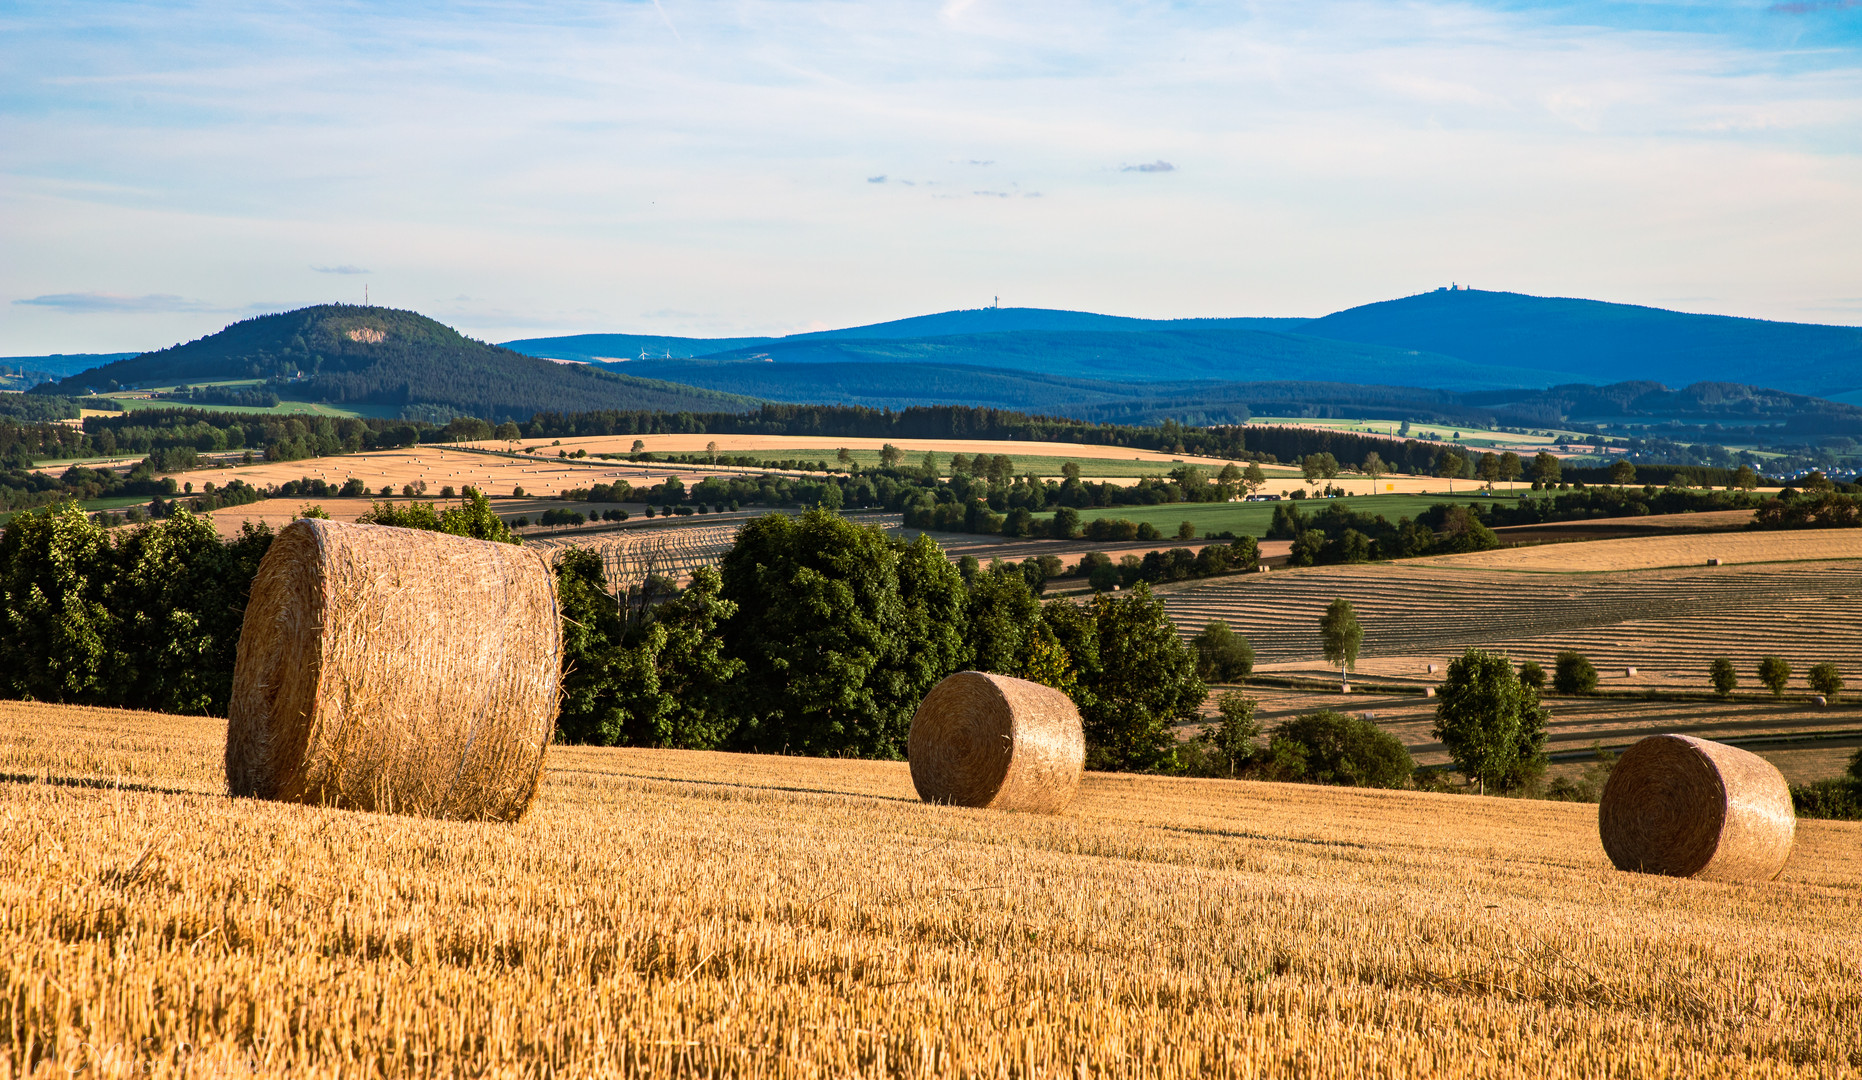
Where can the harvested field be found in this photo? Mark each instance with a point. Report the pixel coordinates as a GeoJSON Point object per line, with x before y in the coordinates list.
{"type": "Point", "coordinates": [630, 556]}
{"type": "Point", "coordinates": [1647, 552]}
{"type": "Point", "coordinates": [1611, 528]}
{"type": "Point", "coordinates": [1805, 742]}
{"type": "Point", "coordinates": [277, 513]}
{"type": "Point", "coordinates": [666, 912]}
{"type": "Point", "coordinates": [1669, 624]}
{"type": "Point", "coordinates": [440, 466]}
{"type": "Point", "coordinates": [783, 446]}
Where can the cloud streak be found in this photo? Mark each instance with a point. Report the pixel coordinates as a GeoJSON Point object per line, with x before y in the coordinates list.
{"type": "Point", "coordinates": [93, 303]}
{"type": "Point", "coordinates": [343, 269]}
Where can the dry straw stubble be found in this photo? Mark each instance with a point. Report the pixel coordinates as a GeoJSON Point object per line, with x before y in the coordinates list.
{"type": "Point", "coordinates": [1688, 807]}
{"type": "Point", "coordinates": [395, 670]}
{"type": "Point", "coordinates": [996, 742]}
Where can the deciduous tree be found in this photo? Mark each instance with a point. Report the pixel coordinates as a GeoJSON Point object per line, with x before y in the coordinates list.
{"type": "Point", "coordinates": [1491, 723]}
{"type": "Point", "coordinates": [1340, 634]}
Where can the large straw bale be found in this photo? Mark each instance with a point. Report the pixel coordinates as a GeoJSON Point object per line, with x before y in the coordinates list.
{"type": "Point", "coordinates": [395, 670]}
{"type": "Point", "coordinates": [996, 742]}
{"type": "Point", "coordinates": [1688, 807]}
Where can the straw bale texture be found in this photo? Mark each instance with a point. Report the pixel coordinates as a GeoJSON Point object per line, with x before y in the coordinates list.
{"type": "Point", "coordinates": [999, 743]}
{"type": "Point", "coordinates": [1688, 807]}
{"type": "Point", "coordinates": [395, 670]}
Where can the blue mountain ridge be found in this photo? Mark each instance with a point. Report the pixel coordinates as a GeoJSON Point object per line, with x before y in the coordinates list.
{"type": "Point", "coordinates": [1460, 339]}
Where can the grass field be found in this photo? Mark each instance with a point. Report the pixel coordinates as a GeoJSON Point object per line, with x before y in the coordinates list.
{"type": "Point", "coordinates": [1479, 438]}
{"type": "Point", "coordinates": [666, 913]}
{"type": "Point", "coordinates": [283, 408]}
{"type": "Point", "coordinates": [1253, 519]}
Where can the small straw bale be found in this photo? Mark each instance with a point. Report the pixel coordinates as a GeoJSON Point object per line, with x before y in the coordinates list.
{"type": "Point", "coordinates": [395, 670]}
{"type": "Point", "coordinates": [1688, 807]}
{"type": "Point", "coordinates": [998, 743]}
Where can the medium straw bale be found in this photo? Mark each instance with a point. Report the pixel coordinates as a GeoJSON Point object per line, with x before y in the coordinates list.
{"type": "Point", "coordinates": [999, 743]}
{"type": "Point", "coordinates": [1688, 807]}
{"type": "Point", "coordinates": [395, 670]}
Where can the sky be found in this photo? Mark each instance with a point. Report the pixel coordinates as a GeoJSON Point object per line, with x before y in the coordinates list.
{"type": "Point", "coordinates": [749, 167]}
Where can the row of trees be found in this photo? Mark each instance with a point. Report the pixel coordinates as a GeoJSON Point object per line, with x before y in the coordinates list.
{"type": "Point", "coordinates": [819, 636]}
{"type": "Point", "coordinates": [815, 636]}
{"type": "Point", "coordinates": [1774, 674]}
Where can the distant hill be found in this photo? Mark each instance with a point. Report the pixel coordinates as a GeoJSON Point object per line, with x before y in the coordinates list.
{"type": "Point", "coordinates": [613, 348]}
{"type": "Point", "coordinates": [60, 364]}
{"type": "Point", "coordinates": [1734, 412]}
{"type": "Point", "coordinates": [1599, 342]}
{"type": "Point", "coordinates": [1458, 339]}
{"type": "Point", "coordinates": [340, 355]}
{"type": "Point", "coordinates": [1019, 320]}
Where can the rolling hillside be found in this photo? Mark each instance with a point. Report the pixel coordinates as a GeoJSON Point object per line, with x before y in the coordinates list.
{"type": "Point", "coordinates": [1606, 342]}
{"type": "Point", "coordinates": [345, 355]}
{"type": "Point", "coordinates": [1460, 339]}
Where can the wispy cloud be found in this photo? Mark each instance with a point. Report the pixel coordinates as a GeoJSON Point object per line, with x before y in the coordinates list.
{"type": "Point", "coordinates": [102, 303]}
{"type": "Point", "coordinates": [584, 160]}
{"type": "Point", "coordinates": [1806, 7]}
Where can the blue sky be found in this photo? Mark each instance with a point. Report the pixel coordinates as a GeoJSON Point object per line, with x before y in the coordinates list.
{"type": "Point", "coordinates": [682, 167]}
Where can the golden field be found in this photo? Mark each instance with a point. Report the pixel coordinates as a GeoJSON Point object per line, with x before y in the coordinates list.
{"type": "Point", "coordinates": [1653, 552]}
{"type": "Point", "coordinates": [673, 913]}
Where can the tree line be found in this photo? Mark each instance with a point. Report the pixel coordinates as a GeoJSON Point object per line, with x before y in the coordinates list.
{"type": "Point", "coordinates": [815, 636]}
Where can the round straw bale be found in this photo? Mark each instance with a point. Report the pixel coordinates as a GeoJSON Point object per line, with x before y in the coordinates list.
{"type": "Point", "coordinates": [1687, 807]}
{"type": "Point", "coordinates": [395, 670]}
{"type": "Point", "coordinates": [995, 742]}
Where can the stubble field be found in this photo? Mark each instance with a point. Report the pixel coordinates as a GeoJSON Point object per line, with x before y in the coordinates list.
{"type": "Point", "coordinates": [1668, 623]}
{"type": "Point", "coordinates": [667, 913]}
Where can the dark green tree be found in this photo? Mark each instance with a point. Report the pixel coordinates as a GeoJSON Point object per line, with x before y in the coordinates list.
{"type": "Point", "coordinates": [1235, 734]}
{"type": "Point", "coordinates": [1532, 675]}
{"type": "Point", "coordinates": [1135, 679]}
{"type": "Point", "coordinates": [1004, 621]}
{"type": "Point", "coordinates": [178, 599]}
{"type": "Point", "coordinates": [56, 569]}
{"type": "Point", "coordinates": [1725, 679]}
{"type": "Point", "coordinates": [1573, 673]}
{"type": "Point", "coordinates": [841, 632]}
{"type": "Point", "coordinates": [1775, 673]}
{"type": "Point", "coordinates": [1491, 723]}
{"type": "Point", "coordinates": [1222, 655]}
{"type": "Point", "coordinates": [1825, 680]}
{"type": "Point", "coordinates": [1332, 748]}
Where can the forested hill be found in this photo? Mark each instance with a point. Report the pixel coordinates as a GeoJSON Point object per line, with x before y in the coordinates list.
{"type": "Point", "coordinates": [344, 355]}
{"type": "Point", "coordinates": [1603, 342]}
{"type": "Point", "coordinates": [1451, 339]}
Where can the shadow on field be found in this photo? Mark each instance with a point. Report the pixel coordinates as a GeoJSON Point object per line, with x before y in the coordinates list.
{"type": "Point", "coordinates": [738, 784]}
{"type": "Point", "coordinates": [97, 783]}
